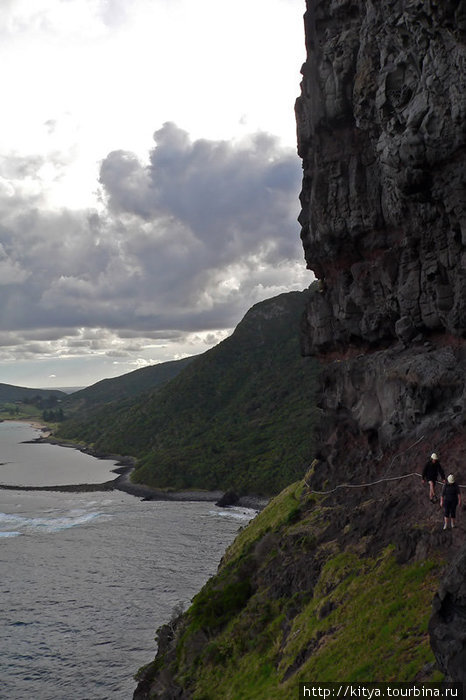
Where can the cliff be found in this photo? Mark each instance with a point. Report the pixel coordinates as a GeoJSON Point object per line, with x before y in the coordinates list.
{"type": "Point", "coordinates": [382, 134]}
{"type": "Point", "coordinates": [381, 131]}
{"type": "Point", "coordinates": [339, 585]}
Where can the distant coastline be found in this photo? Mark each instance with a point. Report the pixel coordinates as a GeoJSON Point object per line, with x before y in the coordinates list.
{"type": "Point", "coordinates": [125, 465]}
{"type": "Point", "coordinates": [45, 430]}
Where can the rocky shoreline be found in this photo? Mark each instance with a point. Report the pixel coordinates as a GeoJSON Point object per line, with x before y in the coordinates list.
{"type": "Point", "coordinates": [122, 482]}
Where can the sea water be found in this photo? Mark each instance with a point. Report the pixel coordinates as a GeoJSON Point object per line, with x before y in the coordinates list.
{"type": "Point", "coordinates": [25, 463]}
{"type": "Point", "coordinates": [86, 579]}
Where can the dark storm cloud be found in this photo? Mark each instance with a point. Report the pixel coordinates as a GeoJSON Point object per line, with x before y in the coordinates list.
{"type": "Point", "coordinates": [184, 242]}
{"type": "Point", "coordinates": [233, 198]}
{"type": "Point", "coordinates": [205, 220]}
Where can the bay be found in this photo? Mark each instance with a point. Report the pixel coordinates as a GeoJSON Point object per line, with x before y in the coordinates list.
{"type": "Point", "coordinates": [23, 463]}
{"type": "Point", "coordinates": [87, 578]}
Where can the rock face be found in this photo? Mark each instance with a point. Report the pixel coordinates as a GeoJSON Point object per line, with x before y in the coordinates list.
{"type": "Point", "coordinates": [448, 624]}
{"type": "Point", "coordinates": [382, 135]}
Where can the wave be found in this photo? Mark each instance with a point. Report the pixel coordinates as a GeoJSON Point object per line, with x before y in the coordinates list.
{"type": "Point", "coordinates": [21, 524]}
{"type": "Point", "coordinates": [235, 513]}
{"type": "Point", "coordinates": [9, 533]}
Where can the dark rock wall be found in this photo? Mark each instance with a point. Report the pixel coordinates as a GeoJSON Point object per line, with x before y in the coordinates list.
{"type": "Point", "coordinates": [448, 624]}
{"type": "Point", "coordinates": [382, 136]}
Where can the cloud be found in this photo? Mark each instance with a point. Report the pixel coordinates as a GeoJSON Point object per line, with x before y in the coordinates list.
{"type": "Point", "coordinates": [230, 200]}
{"type": "Point", "coordinates": [183, 243]}
{"type": "Point", "coordinates": [57, 16]}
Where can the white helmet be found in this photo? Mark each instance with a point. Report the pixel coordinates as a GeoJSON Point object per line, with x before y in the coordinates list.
{"type": "Point", "coordinates": [451, 479]}
{"type": "Point", "coordinates": [433, 456]}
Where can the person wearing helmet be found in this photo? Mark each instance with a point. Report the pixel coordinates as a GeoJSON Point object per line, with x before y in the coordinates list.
{"type": "Point", "coordinates": [432, 470]}
{"type": "Point", "coordinates": [450, 498]}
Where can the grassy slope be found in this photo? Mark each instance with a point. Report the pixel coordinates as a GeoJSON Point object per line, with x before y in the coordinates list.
{"type": "Point", "coordinates": [355, 618]}
{"type": "Point", "coordinates": [239, 416]}
{"type": "Point", "coordinates": [20, 411]}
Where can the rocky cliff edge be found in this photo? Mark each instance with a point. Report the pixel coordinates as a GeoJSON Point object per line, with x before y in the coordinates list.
{"type": "Point", "coordinates": [382, 135]}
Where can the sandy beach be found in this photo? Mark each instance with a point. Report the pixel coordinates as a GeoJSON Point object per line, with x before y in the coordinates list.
{"type": "Point", "coordinates": [45, 430]}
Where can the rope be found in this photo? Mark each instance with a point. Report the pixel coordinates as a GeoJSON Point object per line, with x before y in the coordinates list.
{"type": "Point", "coordinates": [360, 486]}
{"type": "Point", "coordinates": [370, 483]}
{"type": "Point", "coordinates": [379, 481]}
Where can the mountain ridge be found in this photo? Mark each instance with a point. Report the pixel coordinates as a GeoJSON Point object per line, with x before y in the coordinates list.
{"type": "Point", "coordinates": [138, 381]}
{"type": "Point", "coordinates": [10, 392]}
{"type": "Point", "coordinates": [234, 418]}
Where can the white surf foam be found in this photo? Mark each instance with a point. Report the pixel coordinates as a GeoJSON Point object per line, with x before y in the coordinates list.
{"type": "Point", "coordinates": [235, 513]}
{"type": "Point", "coordinates": [23, 524]}
{"type": "Point", "coordinates": [9, 534]}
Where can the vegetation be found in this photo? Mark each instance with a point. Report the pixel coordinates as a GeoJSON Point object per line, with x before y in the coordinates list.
{"type": "Point", "coordinates": [30, 404]}
{"type": "Point", "coordinates": [12, 394]}
{"type": "Point", "coordinates": [256, 630]}
{"type": "Point", "coordinates": [239, 416]}
{"type": "Point", "coordinates": [53, 415]}
{"type": "Point", "coordinates": [128, 385]}
{"type": "Point", "coordinates": [54, 406]}
{"type": "Point", "coordinates": [19, 411]}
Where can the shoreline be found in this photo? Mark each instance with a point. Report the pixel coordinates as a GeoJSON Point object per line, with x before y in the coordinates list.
{"type": "Point", "coordinates": [125, 465]}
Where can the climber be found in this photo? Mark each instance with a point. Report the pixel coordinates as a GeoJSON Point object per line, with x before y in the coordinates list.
{"type": "Point", "coordinates": [430, 473]}
{"type": "Point", "coordinates": [450, 498]}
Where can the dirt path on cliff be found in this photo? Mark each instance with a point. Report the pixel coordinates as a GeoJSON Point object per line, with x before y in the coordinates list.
{"type": "Point", "coordinates": [397, 512]}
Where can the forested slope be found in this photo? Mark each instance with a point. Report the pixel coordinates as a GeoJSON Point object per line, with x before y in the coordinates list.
{"type": "Point", "coordinates": [239, 416]}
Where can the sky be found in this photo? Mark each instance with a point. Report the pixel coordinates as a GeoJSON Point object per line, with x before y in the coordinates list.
{"type": "Point", "coordinates": [149, 179]}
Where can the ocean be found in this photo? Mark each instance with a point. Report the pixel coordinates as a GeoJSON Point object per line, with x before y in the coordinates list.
{"type": "Point", "coordinates": [87, 578]}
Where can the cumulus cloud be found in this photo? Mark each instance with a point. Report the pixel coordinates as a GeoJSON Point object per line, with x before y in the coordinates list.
{"type": "Point", "coordinates": [233, 197]}
{"type": "Point", "coordinates": [183, 243]}
{"type": "Point", "coordinates": [206, 206]}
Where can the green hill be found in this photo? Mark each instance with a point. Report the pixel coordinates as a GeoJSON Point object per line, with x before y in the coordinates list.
{"type": "Point", "coordinates": [239, 416]}
{"type": "Point", "coordinates": [128, 385]}
{"type": "Point", "coordinates": [9, 393]}
{"type": "Point", "coordinates": [22, 403]}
